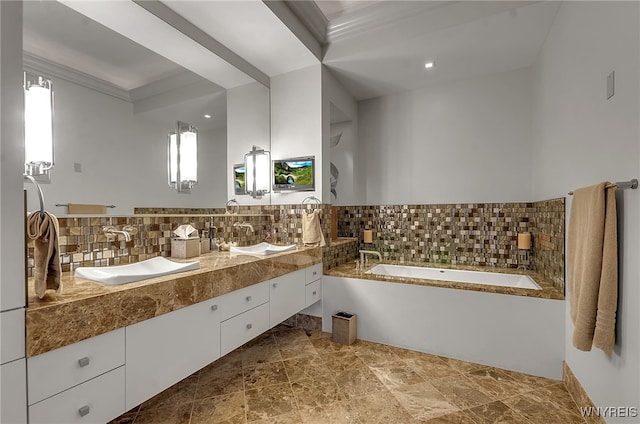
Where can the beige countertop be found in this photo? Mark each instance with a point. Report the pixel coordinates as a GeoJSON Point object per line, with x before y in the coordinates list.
{"type": "Point", "coordinates": [548, 291]}
{"type": "Point", "coordinates": [86, 308]}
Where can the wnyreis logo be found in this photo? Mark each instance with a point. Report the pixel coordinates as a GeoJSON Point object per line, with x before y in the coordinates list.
{"type": "Point", "coordinates": [609, 411]}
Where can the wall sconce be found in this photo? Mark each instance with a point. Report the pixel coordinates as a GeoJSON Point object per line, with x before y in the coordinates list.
{"type": "Point", "coordinates": [38, 127]}
{"type": "Point", "coordinates": [257, 165]}
{"type": "Point", "coordinates": [183, 157]}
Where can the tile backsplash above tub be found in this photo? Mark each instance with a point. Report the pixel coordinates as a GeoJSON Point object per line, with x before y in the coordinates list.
{"type": "Point", "coordinates": [483, 234]}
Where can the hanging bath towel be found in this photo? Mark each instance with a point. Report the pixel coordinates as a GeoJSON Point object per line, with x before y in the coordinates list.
{"type": "Point", "coordinates": [43, 230]}
{"type": "Point", "coordinates": [592, 255]}
{"type": "Point", "coordinates": [311, 229]}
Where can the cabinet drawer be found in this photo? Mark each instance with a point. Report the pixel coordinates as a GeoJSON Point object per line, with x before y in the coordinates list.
{"type": "Point", "coordinates": [98, 401]}
{"type": "Point", "coordinates": [313, 273]}
{"type": "Point", "coordinates": [11, 335]}
{"type": "Point", "coordinates": [238, 330]}
{"type": "Point", "coordinates": [239, 301]}
{"type": "Point", "coordinates": [314, 292]}
{"type": "Point", "coordinates": [68, 366]}
{"type": "Point", "coordinates": [13, 392]}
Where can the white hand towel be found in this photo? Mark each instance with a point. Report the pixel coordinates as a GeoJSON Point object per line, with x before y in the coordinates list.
{"type": "Point", "coordinates": [311, 229]}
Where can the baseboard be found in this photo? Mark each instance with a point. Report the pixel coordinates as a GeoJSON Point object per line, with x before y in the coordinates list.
{"type": "Point", "coordinates": [580, 396]}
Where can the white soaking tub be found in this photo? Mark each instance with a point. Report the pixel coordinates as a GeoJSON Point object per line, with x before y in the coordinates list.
{"type": "Point", "coordinates": [457, 276]}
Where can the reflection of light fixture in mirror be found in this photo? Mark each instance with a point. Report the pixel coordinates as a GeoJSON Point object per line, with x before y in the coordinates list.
{"type": "Point", "coordinates": [183, 157]}
{"type": "Point", "coordinates": [38, 126]}
{"type": "Point", "coordinates": [257, 165]}
{"type": "Point", "coordinates": [430, 65]}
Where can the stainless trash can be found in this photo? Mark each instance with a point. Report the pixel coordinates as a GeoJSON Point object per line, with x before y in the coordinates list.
{"type": "Point", "coordinates": [343, 328]}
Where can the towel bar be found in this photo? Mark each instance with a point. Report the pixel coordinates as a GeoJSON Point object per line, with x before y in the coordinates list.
{"type": "Point", "coordinates": [622, 185]}
{"type": "Point", "coordinates": [66, 204]}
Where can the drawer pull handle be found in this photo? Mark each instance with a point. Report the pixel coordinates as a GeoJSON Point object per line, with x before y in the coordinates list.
{"type": "Point", "coordinates": [83, 362]}
{"type": "Point", "coordinates": [248, 298]}
{"type": "Point", "coordinates": [249, 326]}
{"type": "Point", "coordinates": [275, 285]}
{"type": "Point", "coordinates": [315, 272]}
{"type": "Point", "coordinates": [84, 410]}
{"type": "Point", "coordinates": [214, 307]}
{"type": "Point", "coordinates": [315, 292]}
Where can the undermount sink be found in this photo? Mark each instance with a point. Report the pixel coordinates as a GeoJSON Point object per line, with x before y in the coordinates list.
{"type": "Point", "coordinates": [122, 274]}
{"type": "Point", "coordinates": [261, 249]}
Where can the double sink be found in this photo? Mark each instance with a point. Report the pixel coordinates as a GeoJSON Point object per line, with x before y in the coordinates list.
{"type": "Point", "coordinates": [159, 266]}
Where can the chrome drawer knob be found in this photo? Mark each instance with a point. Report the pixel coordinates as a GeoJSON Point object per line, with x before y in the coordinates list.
{"type": "Point", "coordinates": [249, 326]}
{"type": "Point", "coordinates": [275, 285]}
{"type": "Point", "coordinates": [315, 292]}
{"type": "Point", "coordinates": [83, 362]}
{"type": "Point", "coordinates": [248, 298]}
{"type": "Point", "coordinates": [84, 410]}
{"type": "Point", "coordinates": [214, 307]}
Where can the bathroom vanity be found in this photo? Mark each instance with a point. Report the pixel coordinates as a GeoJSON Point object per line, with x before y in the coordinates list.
{"type": "Point", "coordinates": [143, 337]}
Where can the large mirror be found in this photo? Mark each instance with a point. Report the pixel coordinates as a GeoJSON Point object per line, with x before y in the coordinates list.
{"type": "Point", "coordinates": [115, 104]}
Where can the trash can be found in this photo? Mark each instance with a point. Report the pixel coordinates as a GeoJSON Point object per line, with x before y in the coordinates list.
{"type": "Point", "coordinates": [343, 327]}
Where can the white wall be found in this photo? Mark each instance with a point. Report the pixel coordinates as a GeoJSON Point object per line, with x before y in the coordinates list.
{"type": "Point", "coordinates": [464, 141]}
{"type": "Point", "coordinates": [123, 157]}
{"type": "Point", "coordinates": [297, 125]}
{"type": "Point", "coordinates": [247, 125]}
{"type": "Point", "coordinates": [580, 138]}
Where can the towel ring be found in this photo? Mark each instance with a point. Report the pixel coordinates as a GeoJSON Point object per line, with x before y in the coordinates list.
{"type": "Point", "coordinates": [311, 200]}
{"type": "Point", "coordinates": [40, 195]}
{"type": "Point", "coordinates": [234, 204]}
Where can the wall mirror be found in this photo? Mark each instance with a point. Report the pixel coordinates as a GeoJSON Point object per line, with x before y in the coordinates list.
{"type": "Point", "coordinates": [116, 101]}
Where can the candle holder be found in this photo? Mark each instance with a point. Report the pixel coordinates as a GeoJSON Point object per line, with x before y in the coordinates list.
{"type": "Point", "coordinates": [524, 246]}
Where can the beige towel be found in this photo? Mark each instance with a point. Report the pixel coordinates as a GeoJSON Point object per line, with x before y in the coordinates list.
{"type": "Point", "coordinates": [43, 230]}
{"type": "Point", "coordinates": [311, 229]}
{"type": "Point", "coordinates": [79, 208]}
{"type": "Point", "coordinates": [593, 267]}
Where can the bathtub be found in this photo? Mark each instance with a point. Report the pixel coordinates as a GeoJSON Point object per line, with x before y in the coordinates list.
{"type": "Point", "coordinates": [457, 276]}
{"type": "Point", "coordinates": [514, 332]}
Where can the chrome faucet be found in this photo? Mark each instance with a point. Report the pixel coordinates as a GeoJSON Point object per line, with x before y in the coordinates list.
{"type": "Point", "coordinates": [110, 229]}
{"type": "Point", "coordinates": [246, 225]}
{"type": "Point", "coordinates": [363, 256]}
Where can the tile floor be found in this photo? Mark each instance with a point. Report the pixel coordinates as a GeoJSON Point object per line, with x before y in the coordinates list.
{"type": "Point", "coordinates": [291, 376]}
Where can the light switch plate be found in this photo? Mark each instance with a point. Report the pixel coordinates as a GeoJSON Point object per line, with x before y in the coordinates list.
{"type": "Point", "coordinates": [611, 84]}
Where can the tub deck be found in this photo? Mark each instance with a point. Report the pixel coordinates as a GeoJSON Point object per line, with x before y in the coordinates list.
{"type": "Point", "coordinates": [548, 290]}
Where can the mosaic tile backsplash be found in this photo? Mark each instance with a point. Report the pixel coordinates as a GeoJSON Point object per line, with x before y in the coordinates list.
{"type": "Point", "coordinates": [468, 234]}
{"type": "Point", "coordinates": [479, 234]}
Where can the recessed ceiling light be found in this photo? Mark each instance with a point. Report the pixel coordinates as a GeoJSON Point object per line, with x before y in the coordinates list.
{"type": "Point", "coordinates": [430, 65]}
{"type": "Point", "coordinates": [206, 115]}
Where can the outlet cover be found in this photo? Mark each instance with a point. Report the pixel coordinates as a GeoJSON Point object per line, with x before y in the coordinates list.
{"type": "Point", "coordinates": [611, 84]}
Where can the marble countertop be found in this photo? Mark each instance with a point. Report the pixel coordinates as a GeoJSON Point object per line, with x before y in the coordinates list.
{"type": "Point", "coordinates": [548, 291]}
{"type": "Point", "coordinates": [86, 308]}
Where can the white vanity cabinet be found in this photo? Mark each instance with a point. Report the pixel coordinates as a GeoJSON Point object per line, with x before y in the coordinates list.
{"type": "Point", "coordinates": [81, 382]}
{"type": "Point", "coordinates": [286, 297]}
{"type": "Point", "coordinates": [163, 350]}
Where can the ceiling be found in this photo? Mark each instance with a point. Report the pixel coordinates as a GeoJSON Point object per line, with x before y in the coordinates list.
{"type": "Point", "coordinates": [381, 47]}
{"type": "Point", "coordinates": [373, 47]}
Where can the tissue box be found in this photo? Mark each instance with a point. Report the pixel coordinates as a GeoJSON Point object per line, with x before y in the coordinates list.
{"type": "Point", "coordinates": [185, 248]}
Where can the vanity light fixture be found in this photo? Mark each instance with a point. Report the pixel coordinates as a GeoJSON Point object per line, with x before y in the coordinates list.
{"type": "Point", "coordinates": [183, 157]}
{"type": "Point", "coordinates": [257, 164]}
{"type": "Point", "coordinates": [38, 126]}
{"type": "Point", "coordinates": [430, 65]}
{"type": "Point", "coordinates": [207, 116]}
